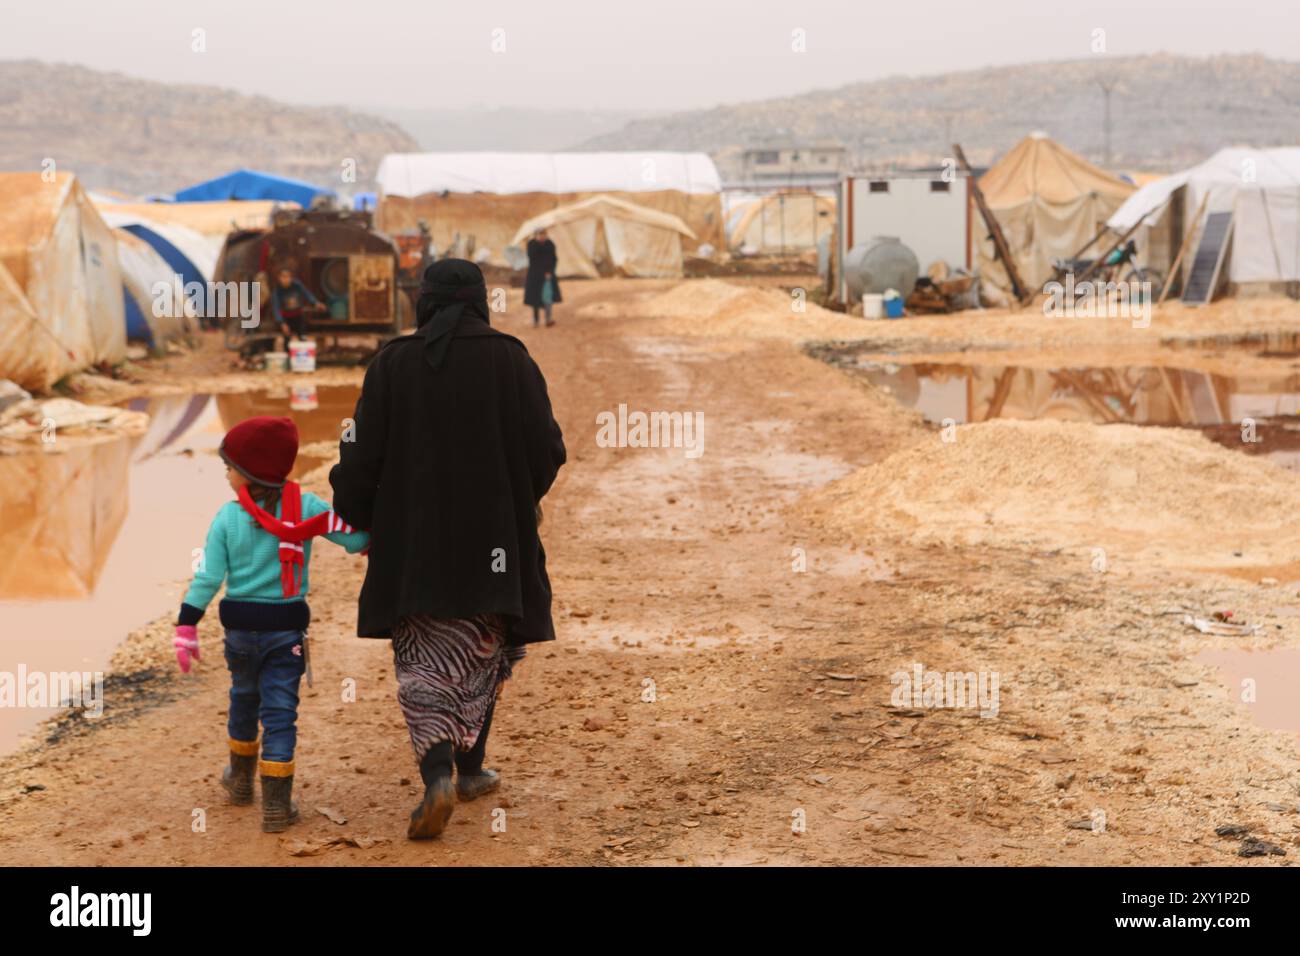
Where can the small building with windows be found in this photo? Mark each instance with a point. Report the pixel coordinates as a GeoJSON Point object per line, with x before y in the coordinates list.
{"type": "Point", "coordinates": [790, 166]}
{"type": "Point", "coordinates": [928, 210]}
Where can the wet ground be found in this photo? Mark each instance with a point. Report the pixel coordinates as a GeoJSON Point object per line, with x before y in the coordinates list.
{"type": "Point", "coordinates": [771, 677]}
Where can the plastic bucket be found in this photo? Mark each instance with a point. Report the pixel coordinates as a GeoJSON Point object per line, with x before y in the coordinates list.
{"type": "Point", "coordinates": [873, 305]}
{"type": "Point", "coordinates": [302, 355]}
{"type": "Point", "coordinates": [275, 361]}
{"type": "Point", "coordinates": [303, 398]}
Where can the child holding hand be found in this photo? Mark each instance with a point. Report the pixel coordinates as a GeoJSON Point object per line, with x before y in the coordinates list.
{"type": "Point", "coordinates": [260, 546]}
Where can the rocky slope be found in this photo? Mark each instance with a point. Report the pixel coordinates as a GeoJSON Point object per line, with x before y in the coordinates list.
{"type": "Point", "coordinates": [140, 136]}
{"type": "Point", "coordinates": [1167, 111]}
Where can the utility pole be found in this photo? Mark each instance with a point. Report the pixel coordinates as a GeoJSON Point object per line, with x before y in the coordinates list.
{"type": "Point", "coordinates": [1106, 87]}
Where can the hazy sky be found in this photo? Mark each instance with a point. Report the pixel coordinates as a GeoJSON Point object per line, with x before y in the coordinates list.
{"type": "Point", "coordinates": [607, 54]}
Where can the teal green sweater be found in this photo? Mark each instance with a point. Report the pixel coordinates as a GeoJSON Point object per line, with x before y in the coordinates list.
{"type": "Point", "coordinates": [247, 558]}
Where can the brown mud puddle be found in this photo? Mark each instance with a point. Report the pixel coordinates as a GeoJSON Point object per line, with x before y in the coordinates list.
{"type": "Point", "coordinates": [102, 538]}
{"type": "Point", "coordinates": [1228, 409]}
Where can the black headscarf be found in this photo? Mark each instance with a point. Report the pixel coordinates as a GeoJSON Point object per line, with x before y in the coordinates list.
{"type": "Point", "coordinates": [450, 289]}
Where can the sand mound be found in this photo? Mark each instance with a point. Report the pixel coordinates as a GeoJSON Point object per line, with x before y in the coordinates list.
{"type": "Point", "coordinates": [711, 307]}
{"type": "Point", "coordinates": [1152, 494]}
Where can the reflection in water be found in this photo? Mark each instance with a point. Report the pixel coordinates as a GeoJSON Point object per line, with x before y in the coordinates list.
{"type": "Point", "coordinates": [62, 512]}
{"type": "Point", "coordinates": [1142, 396]}
{"type": "Point", "coordinates": [98, 540]}
{"type": "Point", "coordinates": [1149, 395]}
{"type": "Point", "coordinates": [319, 413]}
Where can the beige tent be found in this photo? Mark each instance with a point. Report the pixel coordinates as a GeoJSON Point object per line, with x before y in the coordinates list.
{"type": "Point", "coordinates": [1049, 203]}
{"type": "Point", "coordinates": [606, 235]}
{"type": "Point", "coordinates": [61, 305]}
{"type": "Point", "coordinates": [487, 195]}
{"type": "Point", "coordinates": [782, 223]}
{"type": "Point", "coordinates": [217, 219]}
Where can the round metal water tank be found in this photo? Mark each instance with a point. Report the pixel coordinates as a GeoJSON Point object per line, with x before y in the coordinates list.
{"type": "Point", "coordinates": [877, 265]}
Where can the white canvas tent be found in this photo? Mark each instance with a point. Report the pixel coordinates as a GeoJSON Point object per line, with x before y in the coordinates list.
{"type": "Point", "coordinates": [142, 269]}
{"type": "Point", "coordinates": [1261, 187]}
{"type": "Point", "coordinates": [201, 250]}
{"type": "Point", "coordinates": [605, 234]}
{"type": "Point", "coordinates": [61, 306]}
{"type": "Point", "coordinates": [413, 174]}
{"type": "Point", "coordinates": [780, 223]}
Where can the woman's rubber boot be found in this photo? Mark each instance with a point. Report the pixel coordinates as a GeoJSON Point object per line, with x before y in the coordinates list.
{"type": "Point", "coordinates": [429, 819]}
{"type": "Point", "coordinates": [279, 812]}
{"type": "Point", "coordinates": [471, 779]}
{"type": "Point", "coordinates": [472, 785]}
{"type": "Point", "coordinates": [237, 778]}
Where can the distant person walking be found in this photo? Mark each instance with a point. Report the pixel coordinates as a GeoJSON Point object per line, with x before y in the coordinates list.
{"type": "Point", "coordinates": [541, 287]}
{"type": "Point", "coordinates": [455, 445]}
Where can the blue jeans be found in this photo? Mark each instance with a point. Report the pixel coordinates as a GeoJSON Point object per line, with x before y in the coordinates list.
{"type": "Point", "coordinates": [265, 668]}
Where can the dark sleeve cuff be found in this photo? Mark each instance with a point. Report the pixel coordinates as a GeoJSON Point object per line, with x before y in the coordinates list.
{"type": "Point", "coordinates": [189, 615]}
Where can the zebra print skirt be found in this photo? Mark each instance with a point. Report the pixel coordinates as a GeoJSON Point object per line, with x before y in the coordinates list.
{"type": "Point", "coordinates": [448, 673]}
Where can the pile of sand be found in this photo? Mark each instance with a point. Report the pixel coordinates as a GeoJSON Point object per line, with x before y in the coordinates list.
{"type": "Point", "coordinates": [1159, 495]}
{"type": "Point", "coordinates": [711, 307]}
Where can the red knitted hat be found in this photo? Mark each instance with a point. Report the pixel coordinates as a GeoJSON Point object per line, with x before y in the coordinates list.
{"type": "Point", "coordinates": [262, 449]}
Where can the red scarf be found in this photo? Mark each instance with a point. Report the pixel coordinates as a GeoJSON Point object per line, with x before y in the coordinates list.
{"type": "Point", "coordinates": [291, 530]}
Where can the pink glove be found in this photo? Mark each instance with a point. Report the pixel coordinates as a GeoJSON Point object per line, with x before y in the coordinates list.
{"type": "Point", "coordinates": [186, 643]}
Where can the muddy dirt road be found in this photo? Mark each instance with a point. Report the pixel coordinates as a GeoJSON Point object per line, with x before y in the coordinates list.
{"type": "Point", "coordinates": [770, 737]}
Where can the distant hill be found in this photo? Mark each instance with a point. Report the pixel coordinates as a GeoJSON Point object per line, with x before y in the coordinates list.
{"type": "Point", "coordinates": [506, 129]}
{"type": "Point", "coordinates": [140, 136]}
{"type": "Point", "coordinates": [1167, 112]}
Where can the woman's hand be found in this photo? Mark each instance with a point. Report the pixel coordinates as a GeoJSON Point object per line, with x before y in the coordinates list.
{"type": "Point", "coordinates": [186, 643]}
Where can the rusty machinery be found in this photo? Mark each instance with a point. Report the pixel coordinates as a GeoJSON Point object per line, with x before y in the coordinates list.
{"type": "Point", "coordinates": [355, 271]}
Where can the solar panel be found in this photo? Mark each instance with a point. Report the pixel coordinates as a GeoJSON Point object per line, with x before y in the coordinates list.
{"type": "Point", "coordinates": [1203, 276]}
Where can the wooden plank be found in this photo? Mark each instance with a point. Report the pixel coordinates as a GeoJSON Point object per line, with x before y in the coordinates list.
{"type": "Point", "coordinates": [995, 231]}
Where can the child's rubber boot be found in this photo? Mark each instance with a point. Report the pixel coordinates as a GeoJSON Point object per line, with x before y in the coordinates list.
{"type": "Point", "coordinates": [279, 812]}
{"type": "Point", "coordinates": [237, 777]}
{"type": "Point", "coordinates": [429, 819]}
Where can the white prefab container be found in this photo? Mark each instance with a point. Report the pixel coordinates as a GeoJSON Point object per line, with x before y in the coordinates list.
{"type": "Point", "coordinates": [275, 361]}
{"type": "Point", "coordinates": [873, 305]}
{"type": "Point", "coordinates": [928, 213]}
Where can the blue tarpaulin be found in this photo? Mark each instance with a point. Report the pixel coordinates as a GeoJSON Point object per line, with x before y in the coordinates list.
{"type": "Point", "coordinates": [137, 326]}
{"type": "Point", "coordinates": [250, 184]}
